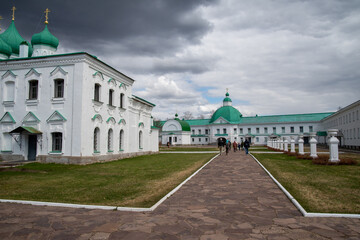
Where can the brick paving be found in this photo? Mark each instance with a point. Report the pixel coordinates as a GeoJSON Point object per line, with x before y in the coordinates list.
{"type": "Point", "coordinates": [231, 198]}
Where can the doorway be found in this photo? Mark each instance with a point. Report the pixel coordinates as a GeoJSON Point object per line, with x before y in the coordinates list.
{"type": "Point", "coordinates": [32, 147]}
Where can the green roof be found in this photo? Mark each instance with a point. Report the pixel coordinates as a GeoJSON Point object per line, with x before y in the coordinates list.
{"type": "Point", "coordinates": [307, 117]}
{"type": "Point", "coordinates": [229, 113]}
{"type": "Point", "coordinates": [185, 126]}
{"type": "Point", "coordinates": [227, 99]}
{"type": "Point", "coordinates": [12, 37]}
{"type": "Point", "coordinates": [27, 130]}
{"type": "Point", "coordinates": [45, 38]}
{"type": "Point", "coordinates": [5, 48]}
{"type": "Point", "coordinates": [195, 122]}
{"type": "Point", "coordinates": [144, 100]}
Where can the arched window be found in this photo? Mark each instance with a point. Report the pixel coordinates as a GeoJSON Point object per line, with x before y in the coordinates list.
{"type": "Point", "coordinates": [58, 88]}
{"type": "Point", "coordinates": [121, 140]}
{"type": "Point", "coordinates": [111, 93]}
{"type": "Point", "coordinates": [9, 93]}
{"type": "Point", "coordinates": [121, 100]}
{"type": "Point", "coordinates": [96, 140]}
{"type": "Point", "coordinates": [140, 140]}
{"type": "Point", "coordinates": [33, 89]}
{"type": "Point", "coordinates": [56, 141]}
{"type": "Point", "coordinates": [97, 92]}
{"type": "Point", "coordinates": [110, 140]}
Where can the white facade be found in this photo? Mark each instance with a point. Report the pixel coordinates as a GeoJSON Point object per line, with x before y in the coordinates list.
{"type": "Point", "coordinates": [347, 121]}
{"type": "Point", "coordinates": [174, 133]}
{"type": "Point", "coordinates": [76, 101]}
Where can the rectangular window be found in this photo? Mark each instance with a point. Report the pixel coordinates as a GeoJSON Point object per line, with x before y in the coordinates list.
{"type": "Point", "coordinates": [111, 93]}
{"type": "Point", "coordinates": [199, 139]}
{"type": "Point", "coordinates": [206, 139]}
{"type": "Point", "coordinates": [224, 130]}
{"type": "Point", "coordinates": [235, 130]}
{"type": "Point", "coordinates": [266, 139]}
{"type": "Point", "coordinates": [193, 139]}
{"type": "Point", "coordinates": [265, 130]}
{"type": "Point", "coordinates": [249, 130]}
{"type": "Point", "coordinates": [301, 128]}
{"type": "Point", "coordinates": [241, 131]}
{"type": "Point", "coordinates": [257, 139]}
{"type": "Point", "coordinates": [33, 89]}
{"type": "Point", "coordinates": [274, 129]}
{"type": "Point", "coordinates": [56, 142]}
{"type": "Point", "coordinates": [311, 129]}
{"type": "Point", "coordinates": [199, 131]}
{"type": "Point", "coordinates": [353, 116]}
{"type": "Point", "coordinates": [193, 132]}
{"type": "Point", "coordinates": [97, 92]}
{"type": "Point", "coordinates": [58, 88]}
{"type": "Point", "coordinates": [175, 139]}
{"type": "Point", "coordinates": [218, 131]}
{"type": "Point", "coordinates": [292, 129]}
{"type": "Point", "coordinates": [206, 131]}
{"type": "Point", "coordinates": [121, 100]}
{"type": "Point", "coordinates": [282, 129]}
{"type": "Point", "coordinates": [257, 130]}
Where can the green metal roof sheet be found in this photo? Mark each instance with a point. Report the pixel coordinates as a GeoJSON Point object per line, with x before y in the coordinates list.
{"type": "Point", "coordinates": [5, 48]}
{"type": "Point", "coordinates": [195, 122]}
{"type": "Point", "coordinates": [307, 117]}
{"type": "Point", "coordinates": [229, 113]}
{"type": "Point", "coordinates": [45, 38]}
{"type": "Point", "coordinates": [144, 100]}
{"type": "Point", "coordinates": [27, 130]}
{"type": "Point", "coordinates": [185, 126]}
{"type": "Point", "coordinates": [12, 37]}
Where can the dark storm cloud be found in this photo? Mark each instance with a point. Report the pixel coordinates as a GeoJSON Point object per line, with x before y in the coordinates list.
{"type": "Point", "coordinates": [157, 27]}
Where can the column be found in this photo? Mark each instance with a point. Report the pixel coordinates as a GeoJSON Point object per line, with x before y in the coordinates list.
{"type": "Point", "coordinates": [286, 142]}
{"type": "Point", "coordinates": [301, 145]}
{"type": "Point", "coordinates": [281, 144]}
{"type": "Point", "coordinates": [292, 145]}
{"type": "Point", "coordinates": [333, 145]}
{"type": "Point", "coordinates": [313, 143]}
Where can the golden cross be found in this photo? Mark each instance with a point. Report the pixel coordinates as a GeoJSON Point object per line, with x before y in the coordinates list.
{"type": "Point", "coordinates": [13, 15]}
{"type": "Point", "coordinates": [46, 15]}
{"type": "Point", "coordinates": [1, 18]}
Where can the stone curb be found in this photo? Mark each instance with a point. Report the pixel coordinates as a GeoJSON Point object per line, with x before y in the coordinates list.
{"type": "Point", "coordinates": [113, 208]}
{"type": "Point", "coordinates": [190, 152]}
{"type": "Point", "coordinates": [297, 204]}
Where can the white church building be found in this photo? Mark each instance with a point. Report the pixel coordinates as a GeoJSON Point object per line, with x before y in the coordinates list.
{"type": "Point", "coordinates": [67, 108]}
{"type": "Point", "coordinates": [227, 122]}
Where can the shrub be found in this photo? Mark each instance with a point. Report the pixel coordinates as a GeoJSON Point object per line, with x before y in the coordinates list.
{"type": "Point", "coordinates": [324, 160]}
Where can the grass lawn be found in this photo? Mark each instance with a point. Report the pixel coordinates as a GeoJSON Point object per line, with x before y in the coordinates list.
{"type": "Point", "coordinates": [188, 149]}
{"type": "Point", "coordinates": [318, 188]}
{"type": "Point", "coordinates": [132, 182]}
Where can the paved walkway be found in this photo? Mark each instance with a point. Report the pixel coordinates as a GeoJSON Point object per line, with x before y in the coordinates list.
{"type": "Point", "coordinates": [231, 198]}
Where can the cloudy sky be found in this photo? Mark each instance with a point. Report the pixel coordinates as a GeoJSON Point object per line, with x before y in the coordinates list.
{"type": "Point", "coordinates": [275, 57]}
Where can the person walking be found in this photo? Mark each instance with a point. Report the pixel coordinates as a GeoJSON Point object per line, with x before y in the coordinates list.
{"type": "Point", "coordinates": [239, 146]}
{"type": "Point", "coordinates": [242, 145]}
{"type": "Point", "coordinates": [246, 146]}
{"type": "Point", "coordinates": [235, 146]}
{"type": "Point", "coordinates": [221, 144]}
{"type": "Point", "coordinates": [228, 145]}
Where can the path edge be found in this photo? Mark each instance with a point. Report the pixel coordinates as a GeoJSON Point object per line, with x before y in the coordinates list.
{"type": "Point", "coordinates": [297, 204]}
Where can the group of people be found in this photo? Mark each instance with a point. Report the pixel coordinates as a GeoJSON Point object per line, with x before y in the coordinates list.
{"type": "Point", "coordinates": [222, 142]}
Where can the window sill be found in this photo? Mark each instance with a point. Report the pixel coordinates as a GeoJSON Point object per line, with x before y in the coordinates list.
{"type": "Point", "coordinates": [56, 153]}
{"type": "Point", "coordinates": [32, 101]}
{"type": "Point", "coordinates": [121, 150]}
{"type": "Point", "coordinates": [8, 103]}
{"type": "Point", "coordinates": [110, 152]}
{"type": "Point", "coordinates": [96, 152]}
{"type": "Point", "coordinates": [122, 108]}
{"type": "Point", "coordinates": [97, 103]}
{"type": "Point", "coordinates": [112, 107]}
{"type": "Point", "coordinates": [58, 100]}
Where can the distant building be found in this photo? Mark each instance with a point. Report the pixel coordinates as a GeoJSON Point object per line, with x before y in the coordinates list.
{"type": "Point", "coordinates": [67, 108]}
{"type": "Point", "coordinates": [229, 123]}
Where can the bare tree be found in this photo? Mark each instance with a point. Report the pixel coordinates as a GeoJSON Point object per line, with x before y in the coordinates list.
{"type": "Point", "coordinates": [187, 115]}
